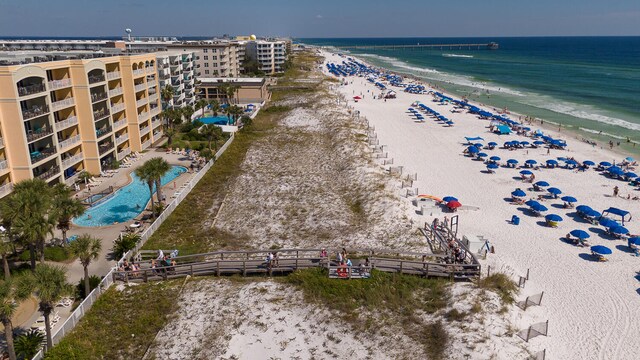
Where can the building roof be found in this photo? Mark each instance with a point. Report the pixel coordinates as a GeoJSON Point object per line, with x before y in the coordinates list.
{"type": "Point", "coordinates": [238, 81]}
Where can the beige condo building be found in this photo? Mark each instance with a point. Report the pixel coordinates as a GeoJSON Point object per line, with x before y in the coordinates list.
{"type": "Point", "coordinates": [214, 58]}
{"type": "Point", "coordinates": [58, 118]}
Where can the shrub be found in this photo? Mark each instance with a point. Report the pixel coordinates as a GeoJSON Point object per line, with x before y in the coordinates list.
{"type": "Point", "coordinates": [51, 253]}
{"type": "Point", "coordinates": [94, 281]}
{"type": "Point", "coordinates": [502, 285]}
{"type": "Point", "coordinates": [28, 344]}
{"type": "Point", "coordinates": [124, 244]}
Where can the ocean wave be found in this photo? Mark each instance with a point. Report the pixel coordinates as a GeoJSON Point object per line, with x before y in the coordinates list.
{"type": "Point", "coordinates": [399, 63]}
{"type": "Point", "coordinates": [458, 56]}
{"type": "Point", "coordinates": [602, 133]}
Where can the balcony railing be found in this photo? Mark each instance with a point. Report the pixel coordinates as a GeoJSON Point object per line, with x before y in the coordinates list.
{"type": "Point", "coordinates": [153, 98]}
{"type": "Point", "coordinates": [156, 123]}
{"type": "Point", "coordinates": [4, 164]}
{"type": "Point", "coordinates": [104, 148]}
{"type": "Point", "coordinates": [103, 131]}
{"type": "Point", "coordinates": [141, 102]}
{"type": "Point", "coordinates": [120, 123]}
{"type": "Point", "coordinates": [1, 142]}
{"type": "Point", "coordinates": [152, 83]}
{"type": "Point", "coordinates": [99, 114]}
{"type": "Point", "coordinates": [113, 75]}
{"type": "Point", "coordinates": [151, 69]}
{"type": "Point", "coordinates": [59, 84]}
{"type": "Point", "coordinates": [72, 179]}
{"type": "Point", "coordinates": [31, 89]}
{"type": "Point", "coordinates": [71, 160]}
{"type": "Point", "coordinates": [5, 189]}
{"type": "Point", "coordinates": [146, 144]}
{"type": "Point", "coordinates": [143, 116]}
{"type": "Point", "coordinates": [34, 111]}
{"type": "Point", "coordinates": [96, 79]}
{"type": "Point", "coordinates": [38, 134]}
{"type": "Point", "coordinates": [155, 110]}
{"type": "Point", "coordinates": [145, 130]}
{"type": "Point", "coordinates": [123, 153]}
{"type": "Point", "coordinates": [70, 121]}
{"type": "Point", "coordinates": [140, 87]}
{"type": "Point", "coordinates": [61, 104]}
{"type": "Point", "coordinates": [115, 92]}
{"type": "Point", "coordinates": [42, 154]}
{"type": "Point", "coordinates": [117, 107]}
{"type": "Point", "coordinates": [157, 134]}
{"type": "Point", "coordinates": [121, 139]}
{"type": "Point", "coordinates": [53, 171]}
{"type": "Point", "coordinates": [68, 142]}
{"type": "Point", "coordinates": [138, 72]}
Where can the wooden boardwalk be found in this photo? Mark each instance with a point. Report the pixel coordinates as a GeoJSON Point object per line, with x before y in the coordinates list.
{"type": "Point", "coordinates": [254, 262]}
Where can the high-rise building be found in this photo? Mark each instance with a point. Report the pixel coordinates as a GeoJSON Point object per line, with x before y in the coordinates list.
{"type": "Point", "coordinates": [270, 54]}
{"type": "Point", "coordinates": [213, 58]}
{"type": "Point", "coordinates": [58, 118]}
{"type": "Point", "coordinates": [177, 69]}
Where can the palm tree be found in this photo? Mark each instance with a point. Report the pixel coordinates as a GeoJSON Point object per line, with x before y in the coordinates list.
{"type": "Point", "coordinates": [167, 94]}
{"type": "Point", "coordinates": [86, 248]}
{"type": "Point", "coordinates": [10, 298]}
{"type": "Point", "coordinates": [159, 168]}
{"type": "Point", "coordinates": [145, 175]}
{"type": "Point", "coordinates": [223, 89]}
{"type": "Point", "coordinates": [65, 208]}
{"type": "Point", "coordinates": [28, 344]}
{"type": "Point", "coordinates": [232, 89]}
{"type": "Point", "coordinates": [227, 112]}
{"type": "Point", "coordinates": [212, 133]}
{"type": "Point", "coordinates": [49, 284]}
{"type": "Point", "coordinates": [201, 104]}
{"type": "Point", "coordinates": [6, 248]}
{"type": "Point", "coordinates": [169, 133]}
{"type": "Point", "coordinates": [236, 111]}
{"type": "Point", "coordinates": [33, 230]}
{"type": "Point", "coordinates": [215, 107]}
{"type": "Point", "coordinates": [188, 111]}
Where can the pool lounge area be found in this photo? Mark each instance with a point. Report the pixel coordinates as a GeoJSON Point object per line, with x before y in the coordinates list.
{"type": "Point", "coordinates": [125, 204]}
{"type": "Point", "coordinates": [216, 120]}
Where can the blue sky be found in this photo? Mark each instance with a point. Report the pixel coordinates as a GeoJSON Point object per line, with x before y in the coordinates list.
{"type": "Point", "coordinates": [323, 18]}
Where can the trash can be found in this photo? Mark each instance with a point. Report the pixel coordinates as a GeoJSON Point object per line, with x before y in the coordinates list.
{"type": "Point", "coordinates": [515, 220]}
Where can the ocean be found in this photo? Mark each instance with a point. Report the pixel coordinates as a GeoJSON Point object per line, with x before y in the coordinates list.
{"type": "Point", "coordinates": [590, 85]}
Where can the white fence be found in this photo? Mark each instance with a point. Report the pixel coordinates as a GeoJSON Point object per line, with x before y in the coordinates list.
{"type": "Point", "coordinates": [107, 281]}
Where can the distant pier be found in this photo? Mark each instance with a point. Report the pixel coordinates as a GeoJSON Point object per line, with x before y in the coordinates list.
{"type": "Point", "coordinates": [486, 46]}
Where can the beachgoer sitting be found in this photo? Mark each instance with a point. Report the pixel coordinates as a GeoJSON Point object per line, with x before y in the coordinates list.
{"type": "Point", "coordinates": [598, 256]}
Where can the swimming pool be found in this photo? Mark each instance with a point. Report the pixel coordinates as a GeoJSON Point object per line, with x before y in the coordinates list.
{"type": "Point", "coordinates": [127, 203]}
{"type": "Point", "coordinates": [217, 120]}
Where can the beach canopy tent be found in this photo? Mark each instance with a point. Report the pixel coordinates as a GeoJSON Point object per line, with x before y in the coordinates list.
{"type": "Point", "coordinates": [601, 249]}
{"type": "Point", "coordinates": [449, 198]}
{"type": "Point", "coordinates": [605, 164]}
{"type": "Point", "coordinates": [471, 139]}
{"type": "Point", "coordinates": [495, 158]}
{"type": "Point", "coordinates": [580, 234]}
{"type": "Point", "coordinates": [588, 163]}
{"type": "Point", "coordinates": [518, 193]}
{"type": "Point", "coordinates": [553, 217]}
{"type": "Point", "coordinates": [569, 199]}
{"type": "Point", "coordinates": [531, 162]}
{"type": "Point", "coordinates": [624, 215]}
{"type": "Point", "coordinates": [503, 130]}
{"type": "Point", "coordinates": [554, 191]}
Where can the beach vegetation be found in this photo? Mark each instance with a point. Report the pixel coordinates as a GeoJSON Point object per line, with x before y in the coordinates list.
{"type": "Point", "coordinates": [141, 310]}
{"type": "Point", "coordinates": [502, 285]}
{"type": "Point", "coordinates": [86, 248]}
{"type": "Point", "coordinates": [94, 282]}
{"type": "Point", "coordinates": [123, 244]}
{"type": "Point", "coordinates": [28, 344]}
{"type": "Point", "coordinates": [55, 253]}
{"type": "Point", "coordinates": [10, 297]}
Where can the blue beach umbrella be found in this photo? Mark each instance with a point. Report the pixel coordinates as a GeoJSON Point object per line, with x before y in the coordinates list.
{"type": "Point", "coordinates": [571, 162]}
{"type": "Point", "coordinates": [524, 143]}
{"type": "Point", "coordinates": [512, 161]}
{"type": "Point", "coordinates": [630, 174]}
{"type": "Point", "coordinates": [592, 213]}
{"type": "Point", "coordinates": [531, 162]}
{"type": "Point", "coordinates": [542, 183]}
{"type": "Point", "coordinates": [525, 172]}
{"type": "Point", "coordinates": [580, 234]}
{"type": "Point", "coordinates": [495, 158]}
{"type": "Point", "coordinates": [619, 230]}
{"type": "Point", "coordinates": [492, 144]}
{"type": "Point", "coordinates": [518, 193]}
{"type": "Point", "coordinates": [605, 164]}
{"type": "Point", "coordinates": [614, 170]}
{"type": "Point", "coordinates": [569, 199]}
{"type": "Point", "coordinates": [629, 159]}
{"type": "Point", "coordinates": [478, 145]}
{"type": "Point", "coordinates": [449, 198]}
{"type": "Point", "coordinates": [601, 249]}
{"type": "Point", "coordinates": [583, 208]}
{"type": "Point", "coordinates": [554, 191]}
{"type": "Point", "coordinates": [538, 142]}
{"type": "Point", "coordinates": [531, 203]}
{"type": "Point", "coordinates": [473, 150]}
{"type": "Point", "coordinates": [634, 240]}
{"type": "Point", "coordinates": [552, 162]}
{"type": "Point", "coordinates": [553, 217]}
{"type": "Point", "coordinates": [539, 208]}
{"type": "Point", "coordinates": [492, 166]}
{"type": "Point", "coordinates": [482, 155]}
{"type": "Point", "coordinates": [608, 223]}
{"type": "Point", "coordinates": [588, 163]}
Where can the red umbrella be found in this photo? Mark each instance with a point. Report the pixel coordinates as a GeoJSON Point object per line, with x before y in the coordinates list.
{"type": "Point", "coordinates": [357, 97]}
{"type": "Point", "coordinates": [453, 204]}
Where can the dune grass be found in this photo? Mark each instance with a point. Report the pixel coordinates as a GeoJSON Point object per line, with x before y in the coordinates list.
{"type": "Point", "coordinates": [502, 285]}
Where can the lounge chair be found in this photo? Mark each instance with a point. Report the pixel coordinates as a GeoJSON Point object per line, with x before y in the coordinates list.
{"type": "Point", "coordinates": [599, 257]}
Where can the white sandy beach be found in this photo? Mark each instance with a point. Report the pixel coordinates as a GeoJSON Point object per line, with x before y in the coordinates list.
{"type": "Point", "coordinates": [592, 307]}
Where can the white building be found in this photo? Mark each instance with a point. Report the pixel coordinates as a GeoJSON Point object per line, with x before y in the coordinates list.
{"type": "Point", "coordinates": [177, 68]}
{"type": "Point", "coordinates": [270, 55]}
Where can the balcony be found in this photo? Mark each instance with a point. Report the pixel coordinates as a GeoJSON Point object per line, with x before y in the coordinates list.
{"type": "Point", "coordinates": [115, 92]}
{"type": "Point", "coordinates": [103, 131]}
{"type": "Point", "coordinates": [1, 142]}
{"type": "Point", "coordinates": [138, 72]}
{"type": "Point", "coordinates": [151, 70]}
{"type": "Point", "coordinates": [141, 87]}
{"type": "Point", "coordinates": [5, 189]}
{"type": "Point", "coordinates": [145, 130]}
{"type": "Point", "coordinates": [99, 114]}
{"type": "Point", "coordinates": [156, 123]}
{"type": "Point", "coordinates": [72, 160]}
{"type": "Point", "coordinates": [70, 121]}
{"type": "Point", "coordinates": [123, 153]}
{"type": "Point", "coordinates": [96, 79]}
{"type": "Point", "coordinates": [4, 164]}
{"type": "Point", "coordinates": [153, 98]}
{"type": "Point", "coordinates": [117, 107]}
{"type": "Point", "coordinates": [152, 83]}
{"type": "Point", "coordinates": [122, 138]}
{"type": "Point", "coordinates": [120, 123]}
{"type": "Point", "coordinates": [155, 110]}
{"type": "Point", "coordinates": [34, 111]}
{"type": "Point", "coordinates": [61, 104]}
{"type": "Point", "coordinates": [113, 75]}
{"type": "Point", "coordinates": [104, 148]}
{"type": "Point", "coordinates": [39, 155]}
{"type": "Point", "coordinates": [143, 116]}
{"type": "Point", "coordinates": [38, 134]}
{"type": "Point", "coordinates": [53, 171]}
{"type": "Point", "coordinates": [146, 144]}
{"type": "Point", "coordinates": [142, 102]}
{"type": "Point", "coordinates": [31, 89]}
{"type": "Point", "coordinates": [59, 84]}
{"type": "Point", "coordinates": [72, 179]}
{"type": "Point", "coordinates": [69, 142]}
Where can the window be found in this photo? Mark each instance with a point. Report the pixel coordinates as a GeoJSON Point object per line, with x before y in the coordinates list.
{"type": "Point", "coordinates": [206, 57]}
{"type": "Point", "coordinates": [214, 50]}
{"type": "Point", "coordinates": [206, 64]}
{"type": "Point", "coordinates": [206, 72]}
{"type": "Point", "coordinates": [205, 50]}
{"type": "Point", "coordinates": [214, 57]}
{"type": "Point", "coordinates": [215, 64]}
